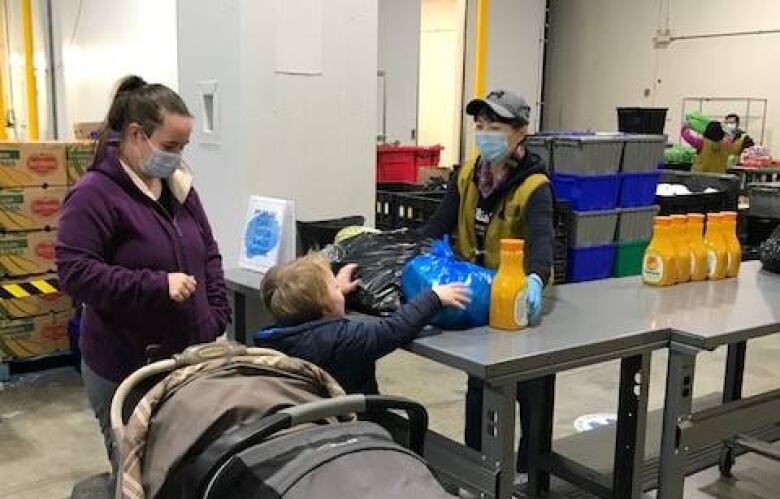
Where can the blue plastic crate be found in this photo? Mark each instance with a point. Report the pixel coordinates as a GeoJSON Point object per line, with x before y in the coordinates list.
{"type": "Point", "coordinates": [591, 263]}
{"type": "Point", "coordinates": [638, 189]}
{"type": "Point", "coordinates": [588, 192]}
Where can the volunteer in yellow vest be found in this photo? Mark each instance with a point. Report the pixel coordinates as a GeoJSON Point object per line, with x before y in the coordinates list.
{"type": "Point", "coordinates": [504, 193]}
{"type": "Point", "coordinates": [713, 148]}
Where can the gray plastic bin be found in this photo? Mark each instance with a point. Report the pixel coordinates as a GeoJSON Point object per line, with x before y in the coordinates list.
{"type": "Point", "coordinates": [643, 153]}
{"type": "Point", "coordinates": [541, 145]}
{"type": "Point", "coordinates": [593, 228]}
{"type": "Point", "coordinates": [636, 224]}
{"type": "Point", "coordinates": [588, 155]}
{"type": "Point", "coordinates": [765, 200]}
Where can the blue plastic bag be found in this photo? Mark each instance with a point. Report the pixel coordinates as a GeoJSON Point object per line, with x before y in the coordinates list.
{"type": "Point", "coordinates": [442, 266]}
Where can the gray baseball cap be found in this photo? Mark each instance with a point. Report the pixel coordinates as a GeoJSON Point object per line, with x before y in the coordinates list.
{"type": "Point", "coordinates": [504, 103]}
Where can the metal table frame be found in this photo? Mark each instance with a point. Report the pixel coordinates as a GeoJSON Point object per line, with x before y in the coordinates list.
{"type": "Point", "coordinates": [685, 431]}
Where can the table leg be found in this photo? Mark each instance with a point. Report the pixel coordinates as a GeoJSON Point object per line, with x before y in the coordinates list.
{"type": "Point", "coordinates": [498, 433]}
{"type": "Point", "coordinates": [631, 426]}
{"type": "Point", "coordinates": [732, 390]}
{"type": "Point", "coordinates": [540, 432]}
{"type": "Point", "coordinates": [679, 397]}
{"type": "Point", "coordinates": [239, 317]}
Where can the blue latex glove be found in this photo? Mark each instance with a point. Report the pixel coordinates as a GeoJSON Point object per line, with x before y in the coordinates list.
{"type": "Point", "coordinates": [534, 298]}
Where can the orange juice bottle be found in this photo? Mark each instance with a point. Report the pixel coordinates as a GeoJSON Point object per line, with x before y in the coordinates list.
{"type": "Point", "coordinates": [717, 251]}
{"type": "Point", "coordinates": [732, 243]}
{"type": "Point", "coordinates": [660, 262]}
{"type": "Point", "coordinates": [683, 254]}
{"type": "Point", "coordinates": [695, 239]}
{"type": "Point", "coordinates": [508, 309]}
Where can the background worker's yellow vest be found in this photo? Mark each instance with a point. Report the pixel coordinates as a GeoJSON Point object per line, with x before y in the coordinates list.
{"type": "Point", "coordinates": [508, 220]}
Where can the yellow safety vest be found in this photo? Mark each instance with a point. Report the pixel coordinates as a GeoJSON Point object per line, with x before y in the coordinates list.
{"type": "Point", "coordinates": [714, 156]}
{"type": "Point", "coordinates": [508, 220]}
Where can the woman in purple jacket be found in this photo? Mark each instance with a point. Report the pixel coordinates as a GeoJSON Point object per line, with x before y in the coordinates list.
{"type": "Point", "coordinates": [135, 247]}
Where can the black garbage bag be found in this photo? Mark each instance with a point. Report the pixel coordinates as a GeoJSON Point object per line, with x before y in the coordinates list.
{"type": "Point", "coordinates": [770, 252]}
{"type": "Point", "coordinates": [380, 258]}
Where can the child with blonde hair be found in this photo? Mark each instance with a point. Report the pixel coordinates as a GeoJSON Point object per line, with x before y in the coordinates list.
{"type": "Point", "coordinates": [308, 303]}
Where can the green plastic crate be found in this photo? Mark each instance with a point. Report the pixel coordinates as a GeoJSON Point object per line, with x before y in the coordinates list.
{"type": "Point", "coordinates": [628, 260]}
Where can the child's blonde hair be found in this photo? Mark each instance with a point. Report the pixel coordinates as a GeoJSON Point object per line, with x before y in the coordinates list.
{"type": "Point", "coordinates": [297, 292]}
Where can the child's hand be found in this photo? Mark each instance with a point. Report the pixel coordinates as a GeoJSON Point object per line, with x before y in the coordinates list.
{"type": "Point", "coordinates": [453, 295]}
{"type": "Point", "coordinates": [344, 279]}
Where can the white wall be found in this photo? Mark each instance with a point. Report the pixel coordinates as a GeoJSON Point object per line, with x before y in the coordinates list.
{"type": "Point", "coordinates": [106, 41]}
{"type": "Point", "coordinates": [514, 59]}
{"type": "Point", "coordinates": [441, 76]}
{"type": "Point", "coordinates": [307, 138]}
{"type": "Point", "coordinates": [399, 57]}
{"type": "Point", "coordinates": [602, 56]}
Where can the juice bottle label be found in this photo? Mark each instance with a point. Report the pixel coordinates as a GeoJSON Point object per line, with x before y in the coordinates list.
{"type": "Point", "coordinates": [521, 310]}
{"type": "Point", "coordinates": [653, 268]}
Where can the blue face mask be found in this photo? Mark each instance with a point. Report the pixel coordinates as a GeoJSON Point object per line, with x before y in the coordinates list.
{"type": "Point", "coordinates": [161, 164]}
{"type": "Point", "coordinates": [492, 145]}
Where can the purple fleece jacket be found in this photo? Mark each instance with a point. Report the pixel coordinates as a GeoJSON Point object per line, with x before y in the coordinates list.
{"type": "Point", "coordinates": [115, 248]}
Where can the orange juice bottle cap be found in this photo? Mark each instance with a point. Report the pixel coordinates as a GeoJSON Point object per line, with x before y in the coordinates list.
{"type": "Point", "coordinates": [679, 219]}
{"type": "Point", "coordinates": [729, 215]}
{"type": "Point", "coordinates": [714, 216]}
{"type": "Point", "coordinates": [512, 244]}
{"type": "Point", "coordinates": [663, 220]}
{"type": "Point", "coordinates": [695, 217]}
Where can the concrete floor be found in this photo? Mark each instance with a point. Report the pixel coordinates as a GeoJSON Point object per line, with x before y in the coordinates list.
{"type": "Point", "coordinates": [49, 439]}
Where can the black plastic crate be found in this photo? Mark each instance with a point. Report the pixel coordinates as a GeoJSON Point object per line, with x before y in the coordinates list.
{"type": "Point", "coordinates": [698, 202]}
{"type": "Point", "coordinates": [315, 235]}
{"type": "Point", "coordinates": [563, 219]}
{"type": "Point", "coordinates": [386, 215]}
{"type": "Point", "coordinates": [650, 120]}
{"type": "Point", "coordinates": [415, 209]}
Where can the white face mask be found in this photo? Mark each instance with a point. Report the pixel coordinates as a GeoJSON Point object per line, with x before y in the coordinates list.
{"type": "Point", "coordinates": [161, 164]}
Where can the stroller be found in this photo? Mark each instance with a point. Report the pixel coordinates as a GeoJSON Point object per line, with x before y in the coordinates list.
{"type": "Point", "coordinates": [228, 421]}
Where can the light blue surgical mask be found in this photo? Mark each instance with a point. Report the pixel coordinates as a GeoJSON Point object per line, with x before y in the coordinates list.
{"type": "Point", "coordinates": [492, 145]}
{"type": "Point", "coordinates": [161, 164]}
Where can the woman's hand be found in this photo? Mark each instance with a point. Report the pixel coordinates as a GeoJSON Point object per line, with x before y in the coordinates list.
{"type": "Point", "coordinates": [345, 280]}
{"type": "Point", "coordinates": [181, 286]}
{"type": "Point", "coordinates": [453, 295]}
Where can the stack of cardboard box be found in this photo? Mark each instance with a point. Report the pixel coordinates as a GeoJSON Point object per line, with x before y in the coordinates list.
{"type": "Point", "coordinates": [34, 179]}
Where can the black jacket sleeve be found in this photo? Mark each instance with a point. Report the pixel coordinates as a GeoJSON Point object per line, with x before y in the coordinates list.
{"type": "Point", "coordinates": [539, 228]}
{"type": "Point", "coordinates": [370, 340]}
{"type": "Point", "coordinates": [445, 218]}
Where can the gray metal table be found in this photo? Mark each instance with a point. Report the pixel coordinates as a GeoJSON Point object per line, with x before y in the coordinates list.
{"type": "Point", "coordinates": [720, 313]}
{"type": "Point", "coordinates": [242, 285]}
{"type": "Point", "coordinates": [585, 324]}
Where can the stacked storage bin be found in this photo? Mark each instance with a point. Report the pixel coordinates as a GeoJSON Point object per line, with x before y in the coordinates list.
{"type": "Point", "coordinates": [586, 175]}
{"type": "Point", "coordinates": [33, 185]}
{"type": "Point", "coordinates": [642, 156]}
{"type": "Point", "coordinates": [610, 181]}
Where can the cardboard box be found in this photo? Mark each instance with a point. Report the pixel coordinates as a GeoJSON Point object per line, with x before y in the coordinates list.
{"type": "Point", "coordinates": [30, 208]}
{"type": "Point", "coordinates": [34, 336]}
{"type": "Point", "coordinates": [79, 157]}
{"type": "Point", "coordinates": [36, 305]}
{"type": "Point", "coordinates": [27, 253]}
{"type": "Point", "coordinates": [428, 173]}
{"type": "Point", "coordinates": [87, 130]}
{"type": "Point", "coordinates": [32, 164]}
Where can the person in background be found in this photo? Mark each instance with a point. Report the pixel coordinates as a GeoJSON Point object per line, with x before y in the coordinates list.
{"type": "Point", "coordinates": [731, 126]}
{"type": "Point", "coordinates": [135, 248]}
{"type": "Point", "coordinates": [504, 193]}
{"type": "Point", "coordinates": [713, 148]}
{"type": "Point", "coordinates": [307, 302]}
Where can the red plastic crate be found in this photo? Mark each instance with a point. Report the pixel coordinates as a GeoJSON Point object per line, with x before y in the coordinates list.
{"type": "Point", "coordinates": [400, 163]}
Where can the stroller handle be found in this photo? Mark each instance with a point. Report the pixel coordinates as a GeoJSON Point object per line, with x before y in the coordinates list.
{"type": "Point", "coordinates": [191, 356]}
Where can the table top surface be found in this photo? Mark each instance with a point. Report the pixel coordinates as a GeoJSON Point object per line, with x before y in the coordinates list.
{"type": "Point", "coordinates": [599, 318]}
{"type": "Point", "coordinates": [243, 280]}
